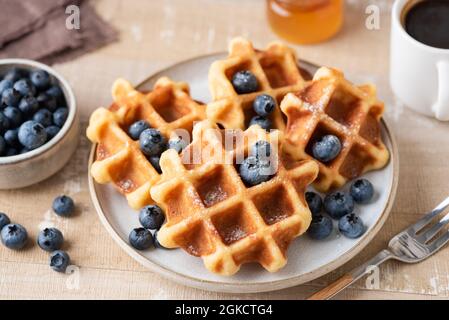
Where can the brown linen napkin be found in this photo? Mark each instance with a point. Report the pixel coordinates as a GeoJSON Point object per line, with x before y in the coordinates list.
{"type": "Point", "coordinates": [18, 18]}
{"type": "Point", "coordinates": [53, 42]}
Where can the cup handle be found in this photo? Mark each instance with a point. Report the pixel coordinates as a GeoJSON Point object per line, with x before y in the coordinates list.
{"type": "Point", "coordinates": [441, 107]}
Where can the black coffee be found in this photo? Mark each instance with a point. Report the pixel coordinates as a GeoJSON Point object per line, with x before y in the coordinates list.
{"type": "Point", "coordinates": [428, 22]}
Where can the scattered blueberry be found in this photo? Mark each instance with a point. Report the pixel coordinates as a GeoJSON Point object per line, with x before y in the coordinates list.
{"type": "Point", "coordinates": [5, 84]}
{"type": "Point", "coordinates": [4, 220]}
{"type": "Point", "coordinates": [155, 162]}
{"type": "Point", "coordinates": [263, 122]}
{"type": "Point", "coordinates": [14, 74]}
{"type": "Point", "coordinates": [320, 227]}
{"type": "Point", "coordinates": [52, 131]}
{"type": "Point", "coordinates": [362, 191]}
{"type": "Point", "coordinates": [254, 171]}
{"type": "Point", "coordinates": [351, 226]}
{"type": "Point", "coordinates": [60, 116]}
{"type": "Point", "coordinates": [244, 82]}
{"type": "Point", "coordinates": [14, 116]}
{"type": "Point", "coordinates": [59, 260]}
{"type": "Point", "coordinates": [32, 135]}
{"type": "Point", "coordinates": [10, 97]}
{"type": "Point", "coordinates": [151, 217]}
{"type": "Point", "coordinates": [338, 204]}
{"type": "Point", "coordinates": [63, 206]}
{"type": "Point", "coordinates": [40, 79]}
{"type": "Point", "coordinates": [137, 128]}
{"type": "Point", "coordinates": [11, 138]}
{"type": "Point", "coordinates": [315, 202]}
{"type": "Point", "coordinates": [261, 149]}
{"type": "Point", "coordinates": [156, 242]}
{"type": "Point", "coordinates": [141, 238]}
{"type": "Point", "coordinates": [28, 105]}
{"type": "Point", "coordinates": [46, 101]}
{"type": "Point", "coordinates": [152, 143]}
{"type": "Point", "coordinates": [44, 117]}
{"type": "Point", "coordinates": [14, 236]}
{"type": "Point", "coordinates": [326, 148]}
{"type": "Point", "coordinates": [50, 239]}
{"type": "Point", "coordinates": [25, 87]}
{"type": "Point", "coordinates": [11, 152]}
{"type": "Point", "coordinates": [264, 105]}
{"type": "Point", "coordinates": [4, 123]}
{"type": "Point", "coordinates": [2, 146]}
{"type": "Point", "coordinates": [177, 144]}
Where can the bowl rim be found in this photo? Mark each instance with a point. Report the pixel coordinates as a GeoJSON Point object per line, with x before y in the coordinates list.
{"type": "Point", "coordinates": [71, 105]}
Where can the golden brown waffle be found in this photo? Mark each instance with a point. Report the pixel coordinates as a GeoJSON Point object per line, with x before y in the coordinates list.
{"type": "Point", "coordinates": [277, 73]}
{"type": "Point", "coordinates": [332, 105]}
{"type": "Point", "coordinates": [119, 159]}
{"type": "Point", "coordinates": [212, 214]}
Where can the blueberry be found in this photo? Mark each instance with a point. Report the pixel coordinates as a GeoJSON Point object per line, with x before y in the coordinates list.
{"type": "Point", "coordinates": [59, 260]}
{"type": "Point", "coordinates": [244, 82]}
{"type": "Point", "coordinates": [11, 152]}
{"type": "Point", "coordinates": [362, 191]}
{"type": "Point", "coordinates": [14, 74]}
{"type": "Point", "coordinates": [320, 228]}
{"type": "Point", "coordinates": [152, 143]}
{"type": "Point", "coordinates": [137, 128]}
{"type": "Point", "coordinates": [254, 171]}
{"type": "Point", "coordinates": [63, 206]}
{"type": "Point", "coordinates": [261, 149]}
{"type": "Point", "coordinates": [11, 138]}
{"type": "Point", "coordinates": [14, 116]}
{"type": "Point", "coordinates": [151, 217]}
{"type": "Point", "coordinates": [155, 162]}
{"type": "Point", "coordinates": [141, 238]}
{"type": "Point", "coordinates": [55, 92]}
{"type": "Point", "coordinates": [264, 104]}
{"type": "Point", "coordinates": [40, 79]}
{"type": "Point", "coordinates": [156, 242]}
{"type": "Point", "coordinates": [52, 131]}
{"type": "Point", "coordinates": [28, 105]}
{"type": "Point", "coordinates": [60, 116]}
{"type": "Point", "coordinates": [14, 236]}
{"type": "Point", "coordinates": [50, 239]}
{"type": "Point", "coordinates": [338, 204]}
{"type": "Point", "coordinates": [25, 87]}
{"type": "Point", "coordinates": [32, 135]}
{"type": "Point", "coordinates": [2, 146]}
{"type": "Point", "coordinates": [177, 144]}
{"type": "Point", "coordinates": [327, 148]}
{"type": "Point", "coordinates": [44, 117]}
{"type": "Point", "coordinates": [263, 122]}
{"type": "Point", "coordinates": [315, 202]}
{"type": "Point", "coordinates": [4, 123]}
{"type": "Point", "coordinates": [11, 97]}
{"type": "Point", "coordinates": [351, 226]}
{"type": "Point", "coordinates": [4, 220]}
{"type": "Point", "coordinates": [5, 84]}
{"type": "Point", "coordinates": [47, 102]}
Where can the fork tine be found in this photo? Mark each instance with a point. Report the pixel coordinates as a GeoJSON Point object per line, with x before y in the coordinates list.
{"type": "Point", "coordinates": [439, 242]}
{"type": "Point", "coordinates": [429, 234]}
{"type": "Point", "coordinates": [424, 221]}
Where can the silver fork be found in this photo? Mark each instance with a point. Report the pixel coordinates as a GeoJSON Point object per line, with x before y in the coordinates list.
{"type": "Point", "coordinates": [410, 246]}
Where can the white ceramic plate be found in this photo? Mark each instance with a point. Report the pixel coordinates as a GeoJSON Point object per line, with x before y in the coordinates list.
{"type": "Point", "coordinates": [307, 259]}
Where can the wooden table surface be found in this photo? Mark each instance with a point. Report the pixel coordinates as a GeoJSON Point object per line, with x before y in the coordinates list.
{"type": "Point", "coordinates": [155, 34]}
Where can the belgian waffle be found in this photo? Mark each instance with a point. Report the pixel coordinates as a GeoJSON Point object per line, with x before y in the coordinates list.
{"type": "Point", "coordinates": [212, 214]}
{"type": "Point", "coordinates": [277, 73]}
{"type": "Point", "coordinates": [332, 105]}
{"type": "Point", "coordinates": [118, 158]}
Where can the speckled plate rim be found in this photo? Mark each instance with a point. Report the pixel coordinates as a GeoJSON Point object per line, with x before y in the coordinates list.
{"type": "Point", "coordinates": [232, 287]}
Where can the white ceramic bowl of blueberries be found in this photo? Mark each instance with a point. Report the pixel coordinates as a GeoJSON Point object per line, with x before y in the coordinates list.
{"type": "Point", "coordinates": [39, 126]}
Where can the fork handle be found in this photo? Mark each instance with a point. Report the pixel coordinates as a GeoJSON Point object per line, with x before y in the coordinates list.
{"type": "Point", "coordinates": [351, 277]}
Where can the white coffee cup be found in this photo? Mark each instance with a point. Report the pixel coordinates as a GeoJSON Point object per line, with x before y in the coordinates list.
{"type": "Point", "coordinates": [419, 74]}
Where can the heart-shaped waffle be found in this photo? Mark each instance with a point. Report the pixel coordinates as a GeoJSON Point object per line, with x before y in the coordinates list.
{"type": "Point", "coordinates": [119, 159]}
{"type": "Point", "coordinates": [212, 214]}
{"type": "Point", "coordinates": [277, 74]}
{"type": "Point", "coordinates": [332, 105]}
